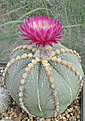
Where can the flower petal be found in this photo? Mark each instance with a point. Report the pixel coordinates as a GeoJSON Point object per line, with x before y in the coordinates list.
{"type": "Point", "coordinates": [41, 30]}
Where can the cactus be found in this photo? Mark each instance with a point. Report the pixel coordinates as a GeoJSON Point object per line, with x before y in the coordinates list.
{"type": "Point", "coordinates": [43, 80]}
{"type": "Point", "coordinates": [4, 99]}
{"type": "Point", "coordinates": [44, 87]}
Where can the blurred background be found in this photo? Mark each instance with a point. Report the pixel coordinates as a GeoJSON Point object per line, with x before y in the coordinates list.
{"type": "Point", "coordinates": [71, 13]}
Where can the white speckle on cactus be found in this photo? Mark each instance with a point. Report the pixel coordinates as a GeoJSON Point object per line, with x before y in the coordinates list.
{"type": "Point", "coordinates": [27, 70]}
{"type": "Point", "coordinates": [18, 58]}
{"type": "Point", "coordinates": [20, 94]}
{"type": "Point", "coordinates": [74, 52]}
{"type": "Point", "coordinates": [80, 61]}
{"type": "Point", "coordinates": [14, 50]}
{"type": "Point", "coordinates": [37, 59]}
{"type": "Point", "coordinates": [51, 80]}
{"type": "Point", "coordinates": [50, 47]}
{"type": "Point", "coordinates": [57, 106]}
{"type": "Point", "coordinates": [66, 50]}
{"type": "Point", "coordinates": [77, 54]}
{"type": "Point", "coordinates": [53, 86]}
{"type": "Point", "coordinates": [53, 58]}
{"type": "Point", "coordinates": [79, 57]}
{"type": "Point", "coordinates": [56, 103]}
{"type": "Point", "coordinates": [81, 84]}
{"type": "Point", "coordinates": [21, 88]}
{"type": "Point", "coordinates": [20, 47]}
{"type": "Point", "coordinates": [30, 65]}
{"type": "Point", "coordinates": [58, 60]}
{"type": "Point", "coordinates": [72, 68]}
{"type": "Point", "coordinates": [5, 70]}
{"type": "Point", "coordinates": [62, 50]}
{"type": "Point", "coordinates": [70, 51]}
{"type": "Point", "coordinates": [68, 65]}
{"type": "Point", "coordinates": [53, 53]}
{"type": "Point", "coordinates": [44, 61]}
{"type": "Point", "coordinates": [8, 65]}
{"type": "Point", "coordinates": [4, 100]}
{"type": "Point", "coordinates": [55, 114]}
{"type": "Point", "coordinates": [49, 74]}
{"type": "Point", "coordinates": [55, 93]}
{"type": "Point", "coordinates": [77, 73]}
{"type": "Point", "coordinates": [34, 49]}
{"type": "Point", "coordinates": [25, 46]}
{"type": "Point", "coordinates": [48, 69]}
{"type": "Point", "coordinates": [57, 51]}
{"type": "Point", "coordinates": [46, 64]}
{"type": "Point", "coordinates": [13, 61]}
{"type": "Point", "coordinates": [64, 62]}
{"type": "Point", "coordinates": [30, 55]}
{"type": "Point", "coordinates": [21, 103]}
{"type": "Point", "coordinates": [25, 75]}
{"type": "Point", "coordinates": [20, 99]}
{"type": "Point", "coordinates": [34, 61]}
{"type": "Point", "coordinates": [22, 81]}
{"type": "Point", "coordinates": [17, 48]}
{"type": "Point", "coordinates": [56, 98]}
{"type": "Point", "coordinates": [24, 56]}
{"type": "Point", "coordinates": [80, 77]}
{"type": "Point", "coordinates": [29, 48]}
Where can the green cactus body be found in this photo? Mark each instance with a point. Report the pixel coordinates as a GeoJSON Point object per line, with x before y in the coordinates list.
{"type": "Point", "coordinates": [44, 88]}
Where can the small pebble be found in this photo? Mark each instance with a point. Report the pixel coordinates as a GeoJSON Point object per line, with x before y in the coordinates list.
{"type": "Point", "coordinates": [18, 109]}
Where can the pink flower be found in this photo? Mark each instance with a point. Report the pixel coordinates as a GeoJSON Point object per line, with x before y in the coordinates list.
{"type": "Point", "coordinates": [41, 30]}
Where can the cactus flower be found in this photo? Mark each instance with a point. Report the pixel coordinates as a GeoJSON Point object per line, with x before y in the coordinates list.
{"type": "Point", "coordinates": [42, 30]}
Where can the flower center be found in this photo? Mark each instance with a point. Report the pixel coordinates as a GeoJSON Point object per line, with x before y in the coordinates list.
{"type": "Point", "coordinates": [39, 24]}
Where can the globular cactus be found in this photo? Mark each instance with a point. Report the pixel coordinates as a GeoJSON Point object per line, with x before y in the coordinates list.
{"type": "Point", "coordinates": [43, 80]}
{"type": "Point", "coordinates": [4, 99]}
{"type": "Point", "coordinates": [44, 87]}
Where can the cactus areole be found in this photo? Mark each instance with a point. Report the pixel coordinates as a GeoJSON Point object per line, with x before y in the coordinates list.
{"type": "Point", "coordinates": [44, 79]}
